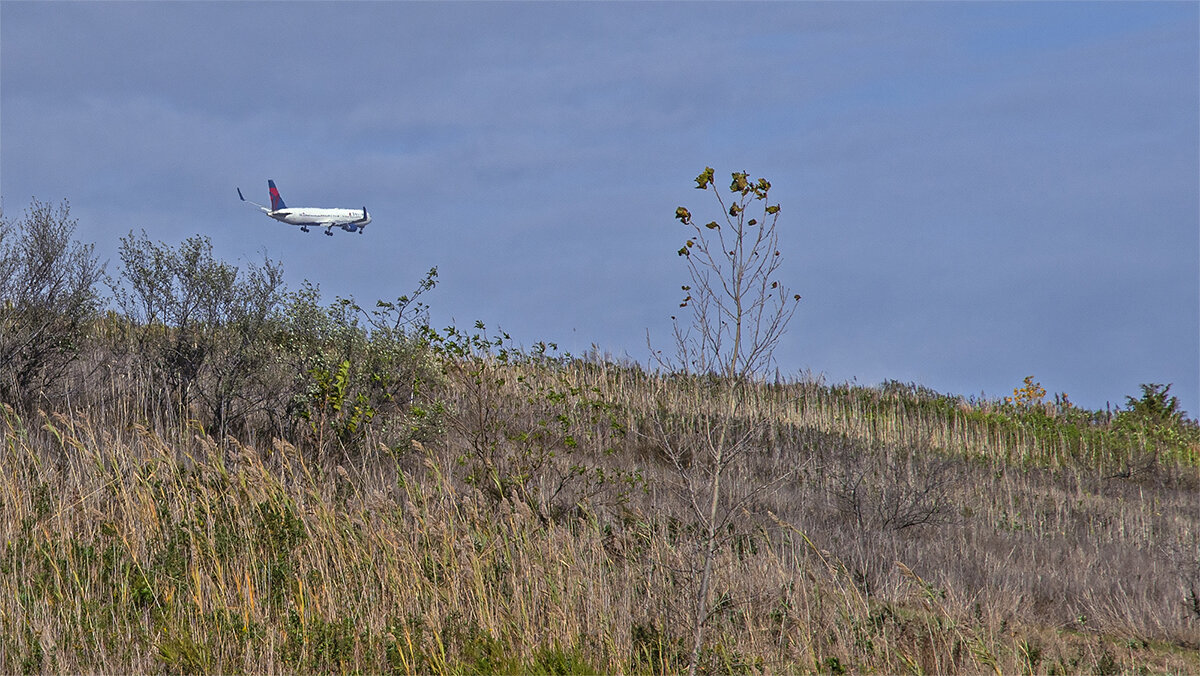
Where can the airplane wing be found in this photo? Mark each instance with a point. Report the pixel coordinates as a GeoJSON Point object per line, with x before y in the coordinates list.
{"type": "Point", "coordinates": [243, 198]}
{"type": "Point", "coordinates": [337, 223]}
{"type": "Point", "coordinates": [355, 225]}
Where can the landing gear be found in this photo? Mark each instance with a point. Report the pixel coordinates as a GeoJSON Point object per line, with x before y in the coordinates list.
{"type": "Point", "coordinates": [304, 228]}
{"type": "Point", "coordinates": [329, 232]}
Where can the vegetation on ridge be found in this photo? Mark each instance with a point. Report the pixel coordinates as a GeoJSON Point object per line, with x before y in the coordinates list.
{"type": "Point", "coordinates": [224, 476]}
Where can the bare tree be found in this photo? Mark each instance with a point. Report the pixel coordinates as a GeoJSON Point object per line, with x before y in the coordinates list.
{"type": "Point", "coordinates": [739, 308]}
{"type": "Point", "coordinates": [739, 312]}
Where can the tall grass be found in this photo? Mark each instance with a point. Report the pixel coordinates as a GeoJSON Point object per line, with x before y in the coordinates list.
{"type": "Point", "coordinates": [136, 541]}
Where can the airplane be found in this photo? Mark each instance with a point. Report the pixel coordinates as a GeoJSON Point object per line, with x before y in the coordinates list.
{"type": "Point", "coordinates": [350, 220]}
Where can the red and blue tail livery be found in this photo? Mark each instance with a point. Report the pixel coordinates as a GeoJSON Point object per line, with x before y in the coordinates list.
{"type": "Point", "coordinates": [276, 200]}
{"type": "Point", "coordinates": [350, 220]}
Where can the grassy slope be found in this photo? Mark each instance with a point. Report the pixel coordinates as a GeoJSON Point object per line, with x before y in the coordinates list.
{"type": "Point", "coordinates": [131, 546]}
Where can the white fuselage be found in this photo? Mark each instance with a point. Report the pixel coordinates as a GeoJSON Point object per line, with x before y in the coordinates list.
{"type": "Point", "coordinates": [321, 217]}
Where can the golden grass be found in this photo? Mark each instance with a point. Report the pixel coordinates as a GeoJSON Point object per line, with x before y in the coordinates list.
{"type": "Point", "coordinates": [137, 546]}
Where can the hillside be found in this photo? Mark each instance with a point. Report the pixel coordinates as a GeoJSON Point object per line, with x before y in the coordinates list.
{"type": "Point", "coordinates": [219, 475]}
{"type": "Point", "coordinates": [520, 515]}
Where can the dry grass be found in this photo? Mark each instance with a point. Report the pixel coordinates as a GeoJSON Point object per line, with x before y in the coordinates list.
{"type": "Point", "coordinates": [134, 542]}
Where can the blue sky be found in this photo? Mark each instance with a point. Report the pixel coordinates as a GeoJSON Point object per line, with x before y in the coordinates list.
{"type": "Point", "coordinates": [971, 192]}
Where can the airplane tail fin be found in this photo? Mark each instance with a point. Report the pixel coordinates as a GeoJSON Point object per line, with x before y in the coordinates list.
{"type": "Point", "coordinates": [276, 200]}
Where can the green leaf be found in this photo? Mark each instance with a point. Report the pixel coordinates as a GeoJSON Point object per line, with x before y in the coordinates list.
{"type": "Point", "coordinates": [740, 182]}
{"type": "Point", "coordinates": [683, 215]}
